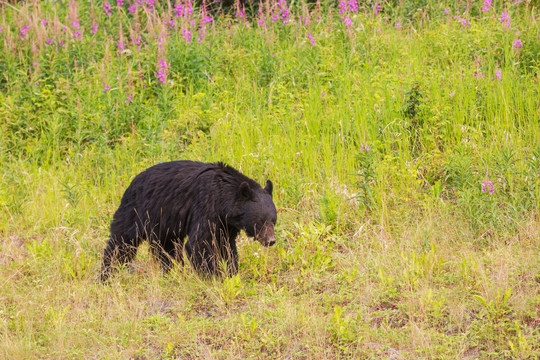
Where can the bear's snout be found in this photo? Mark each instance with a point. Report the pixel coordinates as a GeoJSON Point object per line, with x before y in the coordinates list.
{"type": "Point", "coordinates": [266, 236]}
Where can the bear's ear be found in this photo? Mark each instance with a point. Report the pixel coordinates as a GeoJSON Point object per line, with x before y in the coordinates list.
{"type": "Point", "coordinates": [245, 191]}
{"type": "Point", "coordinates": [269, 187]}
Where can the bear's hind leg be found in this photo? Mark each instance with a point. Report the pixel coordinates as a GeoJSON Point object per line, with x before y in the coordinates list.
{"type": "Point", "coordinates": [166, 254]}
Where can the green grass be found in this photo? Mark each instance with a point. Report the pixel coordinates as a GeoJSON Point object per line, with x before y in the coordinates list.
{"type": "Point", "coordinates": [393, 252]}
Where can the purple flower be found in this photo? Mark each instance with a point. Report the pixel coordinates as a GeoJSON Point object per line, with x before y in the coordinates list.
{"type": "Point", "coordinates": [107, 8]}
{"type": "Point", "coordinates": [24, 30]}
{"type": "Point", "coordinates": [505, 19]}
{"type": "Point", "coordinates": [106, 87]}
{"type": "Point", "coordinates": [186, 33]}
{"type": "Point", "coordinates": [498, 74]}
{"type": "Point", "coordinates": [487, 5]}
{"type": "Point", "coordinates": [121, 45]}
{"type": "Point", "coordinates": [133, 8]}
{"type": "Point", "coordinates": [94, 28]}
{"type": "Point", "coordinates": [447, 11]}
{"type": "Point", "coordinates": [517, 44]}
{"type": "Point", "coordinates": [311, 39]}
{"type": "Point", "coordinates": [149, 4]}
{"type": "Point", "coordinates": [262, 21]}
{"type": "Point", "coordinates": [163, 70]}
{"type": "Point", "coordinates": [35, 63]}
{"type": "Point", "coordinates": [353, 6]}
{"type": "Point", "coordinates": [376, 8]}
{"type": "Point", "coordinates": [398, 26]}
{"type": "Point", "coordinates": [364, 147]}
{"type": "Point", "coordinates": [44, 22]}
{"type": "Point", "coordinates": [348, 22]}
{"type": "Point", "coordinates": [120, 2]}
{"type": "Point", "coordinates": [487, 186]}
{"type": "Point", "coordinates": [129, 98]}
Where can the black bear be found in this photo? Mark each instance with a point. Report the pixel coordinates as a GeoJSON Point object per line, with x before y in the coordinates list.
{"type": "Point", "coordinates": [209, 203]}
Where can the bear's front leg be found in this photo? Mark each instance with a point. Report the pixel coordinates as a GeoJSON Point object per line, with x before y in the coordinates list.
{"type": "Point", "coordinates": [118, 252]}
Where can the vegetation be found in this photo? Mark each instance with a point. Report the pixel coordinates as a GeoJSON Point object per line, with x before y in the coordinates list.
{"type": "Point", "coordinates": [402, 137]}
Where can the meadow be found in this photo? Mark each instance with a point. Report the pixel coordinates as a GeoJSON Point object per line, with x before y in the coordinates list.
{"type": "Point", "coordinates": [402, 138]}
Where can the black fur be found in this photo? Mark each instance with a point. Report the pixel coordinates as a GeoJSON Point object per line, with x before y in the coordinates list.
{"type": "Point", "coordinates": [207, 203]}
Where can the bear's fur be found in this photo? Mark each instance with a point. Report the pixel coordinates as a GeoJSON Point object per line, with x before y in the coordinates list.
{"type": "Point", "coordinates": [209, 203]}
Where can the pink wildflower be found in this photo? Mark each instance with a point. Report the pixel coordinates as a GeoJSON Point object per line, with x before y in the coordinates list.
{"type": "Point", "coordinates": [310, 37]}
{"type": "Point", "coordinates": [487, 186]}
{"type": "Point", "coordinates": [107, 8]}
{"type": "Point", "coordinates": [505, 19]}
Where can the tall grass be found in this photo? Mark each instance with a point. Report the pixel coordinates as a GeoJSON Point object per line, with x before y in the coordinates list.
{"type": "Point", "coordinates": [403, 139]}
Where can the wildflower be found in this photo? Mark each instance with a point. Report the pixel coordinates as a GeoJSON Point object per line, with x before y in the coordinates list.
{"type": "Point", "coordinates": [121, 45]}
{"type": "Point", "coordinates": [149, 4]}
{"type": "Point", "coordinates": [487, 5]}
{"type": "Point", "coordinates": [447, 11]}
{"type": "Point", "coordinates": [49, 41]}
{"type": "Point", "coordinates": [517, 44]}
{"type": "Point", "coordinates": [348, 22]}
{"type": "Point", "coordinates": [202, 34]}
{"type": "Point", "coordinates": [119, 3]}
{"type": "Point", "coordinates": [35, 63]}
{"type": "Point", "coordinates": [94, 28]}
{"type": "Point", "coordinates": [107, 8]}
{"type": "Point", "coordinates": [129, 98]}
{"type": "Point", "coordinates": [487, 186]}
{"type": "Point", "coordinates": [186, 33]}
{"type": "Point", "coordinates": [398, 26]}
{"type": "Point", "coordinates": [284, 11]}
{"type": "Point", "coordinates": [133, 8]}
{"type": "Point", "coordinates": [24, 30]}
{"type": "Point", "coordinates": [464, 22]}
{"type": "Point", "coordinates": [163, 71]}
{"type": "Point", "coordinates": [498, 74]}
{"type": "Point", "coordinates": [106, 87]}
{"type": "Point", "coordinates": [310, 37]}
{"type": "Point", "coordinates": [44, 22]}
{"type": "Point", "coordinates": [353, 6]}
{"type": "Point", "coordinates": [376, 8]}
{"type": "Point", "coordinates": [479, 75]}
{"type": "Point", "coordinates": [364, 147]}
{"type": "Point", "coordinates": [342, 7]}
{"type": "Point", "coordinates": [505, 19]}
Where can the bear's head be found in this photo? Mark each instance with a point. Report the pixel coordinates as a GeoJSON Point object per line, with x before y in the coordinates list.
{"type": "Point", "coordinates": [258, 212]}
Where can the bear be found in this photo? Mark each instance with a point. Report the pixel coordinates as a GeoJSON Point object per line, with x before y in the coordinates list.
{"type": "Point", "coordinates": [207, 203]}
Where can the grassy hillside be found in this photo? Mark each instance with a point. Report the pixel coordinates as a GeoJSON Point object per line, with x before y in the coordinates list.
{"type": "Point", "coordinates": [402, 137]}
